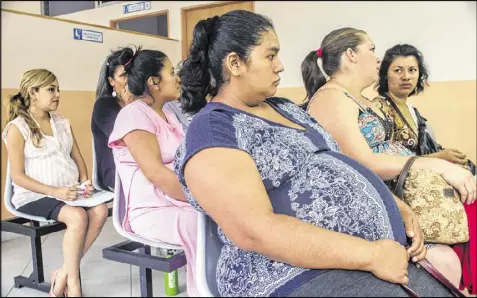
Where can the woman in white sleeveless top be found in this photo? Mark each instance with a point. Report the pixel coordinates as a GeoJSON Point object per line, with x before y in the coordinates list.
{"type": "Point", "coordinates": [46, 169]}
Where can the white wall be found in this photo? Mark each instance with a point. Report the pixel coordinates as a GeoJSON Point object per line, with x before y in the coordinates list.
{"type": "Point", "coordinates": [35, 42]}
{"type": "Point", "coordinates": [25, 6]}
{"type": "Point", "coordinates": [444, 31]}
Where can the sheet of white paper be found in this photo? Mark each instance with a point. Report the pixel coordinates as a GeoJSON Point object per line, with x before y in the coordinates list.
{"type": "Point", "coordinates": [98, 198]}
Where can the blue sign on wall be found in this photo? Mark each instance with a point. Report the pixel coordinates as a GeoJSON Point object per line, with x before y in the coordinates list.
{"type": "Point", "coordinates": [87, 35]}
{"type": "Point", "coordinates": [128, 8]}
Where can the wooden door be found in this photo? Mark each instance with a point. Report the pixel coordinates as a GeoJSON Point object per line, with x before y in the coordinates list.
{"type": "Point", "coordinates": [192, 15]}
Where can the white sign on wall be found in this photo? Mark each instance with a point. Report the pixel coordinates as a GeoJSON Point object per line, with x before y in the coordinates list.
{"type": "Point", "coordinates": [134, 7]}
{"type": "Point", "coordinates": [88, 35]}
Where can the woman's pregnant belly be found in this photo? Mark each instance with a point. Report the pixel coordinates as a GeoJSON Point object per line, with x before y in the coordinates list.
{"type": "Point", "coordinates": [335, 192]}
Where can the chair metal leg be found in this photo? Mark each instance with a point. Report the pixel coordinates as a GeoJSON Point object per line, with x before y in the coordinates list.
{"type": "Point", "coordinates": [139, 254]}
{"type": "Point", "coordinates": [36, 280]}
{"type": "Point", "coordinates": [37, 256]}
{"type": "Point", "coordinates": [22, 281]}
{"type": "Point", "coordinates": [145, 275]}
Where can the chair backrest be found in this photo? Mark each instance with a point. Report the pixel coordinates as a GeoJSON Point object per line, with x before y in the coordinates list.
{"type": "Point", "coordinates": [7, 199]}
{"type": "Point", "coordinates": [119, 205]}
{"type": "Point", "coordinates": [94, 175]}
{"type": "Point", "coordinates": [8, 194]}
{"type": "Point", "coordinates": [175, 108]}
{"type": "Point", "coordinates": [119, 212]}
{"type": "Point", "coordinates": [208, 252]}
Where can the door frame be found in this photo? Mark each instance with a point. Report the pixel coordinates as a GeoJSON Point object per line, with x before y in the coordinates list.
{"type": "Point", "coordinates": [114, 22]}
{"type": "Point", "coordinates": [184, 10]}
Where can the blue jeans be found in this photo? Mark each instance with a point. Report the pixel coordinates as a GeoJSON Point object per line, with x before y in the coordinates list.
{"type": "Point", "coordinates": [346, 283]}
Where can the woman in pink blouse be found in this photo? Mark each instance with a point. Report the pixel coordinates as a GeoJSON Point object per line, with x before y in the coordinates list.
{"type": "Point", "coordinates": [144, 141]}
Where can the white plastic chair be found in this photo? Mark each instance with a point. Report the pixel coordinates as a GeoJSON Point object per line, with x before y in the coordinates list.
{"type": "Point", "coordinates": [174, 107]}
{"type": "Point", "coordinates": [94, 176]}
{"type": "Point", "coordinates": [123, 252]}
{"type": "Point", "coordinates": [208, 252]}
{"type": "Point", "coordinates": [7, 198]}
{"type": "Point", "coordinates": [35, 231]}
{"type": "Point", "coordinates": [119, 211]}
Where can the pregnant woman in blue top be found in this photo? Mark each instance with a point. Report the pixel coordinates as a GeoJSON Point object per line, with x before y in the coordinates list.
{"type": "Point", "coordinates": [289, 205]}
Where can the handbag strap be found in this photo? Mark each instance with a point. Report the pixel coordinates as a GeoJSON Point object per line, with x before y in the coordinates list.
{"type": "Point", "coordinates": [398, 111]}
{"type": "Point", "coordinates": [409, 292]}
{"type": "Point", "coordinates": [437, 275]}
{"type": "Point", "coordinates": [441, 278]}
{"type": "Point", "coordinates": [398, 190]}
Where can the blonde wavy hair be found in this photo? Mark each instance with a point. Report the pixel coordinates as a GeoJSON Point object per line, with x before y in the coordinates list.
{"type": "Point", "coordinates": [18, 104]}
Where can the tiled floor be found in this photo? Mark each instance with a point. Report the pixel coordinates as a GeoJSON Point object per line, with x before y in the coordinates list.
{"type": "Point", "coordinates": [100, 278]}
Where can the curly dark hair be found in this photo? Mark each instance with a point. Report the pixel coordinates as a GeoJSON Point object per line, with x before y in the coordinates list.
{"type": "Point", "coordinates": [214, 38]}
{"type": "Point", "coordinates": [402, 50]}
{"type": "Point", "coordinates": [113, 61]}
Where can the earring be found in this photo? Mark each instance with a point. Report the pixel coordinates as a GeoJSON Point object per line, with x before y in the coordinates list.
{"type": "Point", "coordinates": [114, 94]}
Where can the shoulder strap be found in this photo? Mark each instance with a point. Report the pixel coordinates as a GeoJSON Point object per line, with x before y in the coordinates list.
{"type": "Point", "coordinates": [398, 190]}
{"type": "Point", "coordinates": [393, 104]}
{"type": "Point", "coordinates": [361, 105]}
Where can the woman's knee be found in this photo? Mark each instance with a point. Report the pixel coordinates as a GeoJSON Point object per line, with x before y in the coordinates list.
{"type": "Point", "coordinates": [97, 216]}
{"type": "Point", "coordinates": [99, 213]}
{"type": "Point", "coordinates": [446, 260]}
{"type": "Point", "coordinates": [74, 217]}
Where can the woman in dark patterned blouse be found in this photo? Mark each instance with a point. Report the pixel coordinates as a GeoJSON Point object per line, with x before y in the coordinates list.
{"type": "Point", "coordinates": [403, 74]}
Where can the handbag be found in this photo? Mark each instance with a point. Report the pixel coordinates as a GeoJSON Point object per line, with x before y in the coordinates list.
{"type": "Point", "coordinates": [437, 204]}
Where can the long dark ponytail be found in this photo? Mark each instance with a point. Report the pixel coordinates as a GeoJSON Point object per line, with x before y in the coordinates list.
{"type": "Point", "coordinates": [213, 39]}
{"type": "Point", "coordinates": [313, 76]}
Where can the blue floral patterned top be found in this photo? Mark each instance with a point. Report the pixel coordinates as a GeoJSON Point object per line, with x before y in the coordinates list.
{"type": "Point", "coordinates": [305, 176]}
